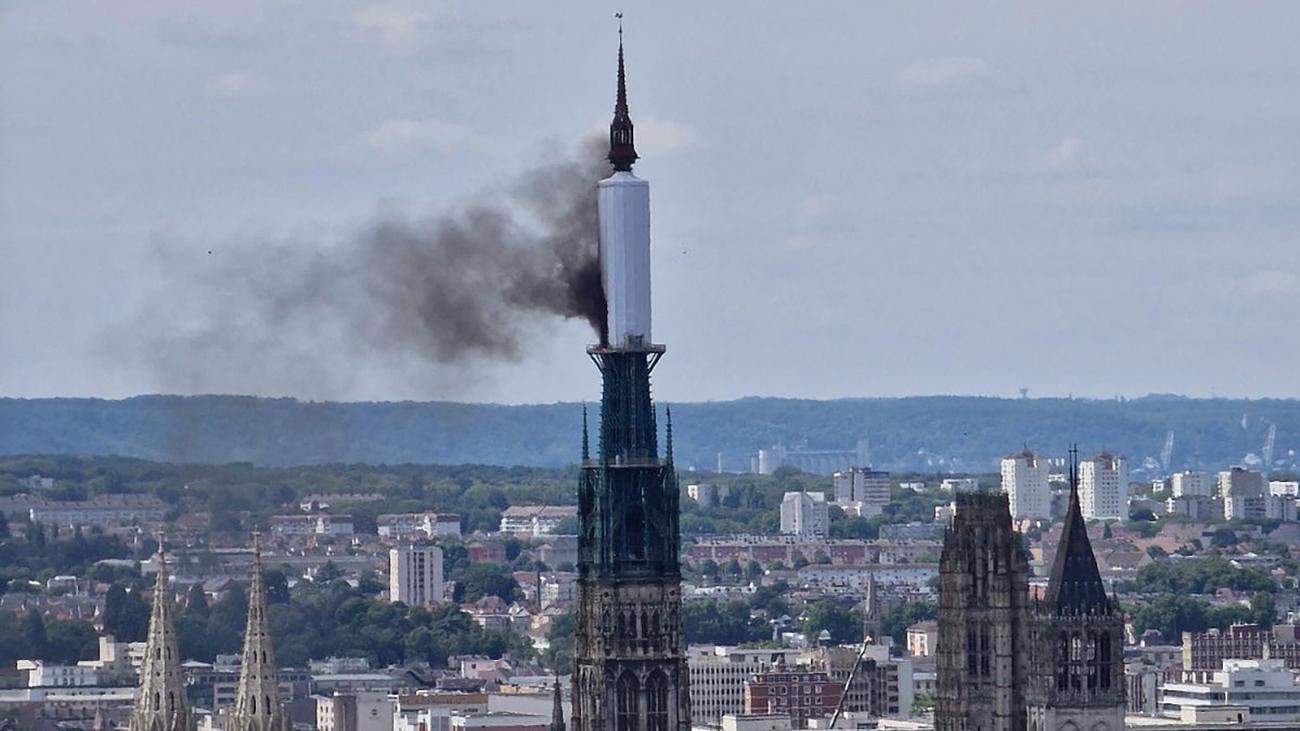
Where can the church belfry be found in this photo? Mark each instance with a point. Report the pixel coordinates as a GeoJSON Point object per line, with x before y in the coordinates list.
{"type": "Point", "coordinates": [630, 665]}
{"type": "Point", "coordinates": [1077, 646]}
{"type": "Point", "coordinates": [983, 600]}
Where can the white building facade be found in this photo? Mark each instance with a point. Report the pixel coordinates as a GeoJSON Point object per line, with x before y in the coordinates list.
{"type": "Point", "coordinates": [805, 514]}
{"type": "Point", "coordinates": [861, 491]}
{"type": "Point", "coordinates": [415, 575]}
{"type": "Point", "coordinates": [1103, 487]}
{"type": "Point", "coordinates": [1024, 480]}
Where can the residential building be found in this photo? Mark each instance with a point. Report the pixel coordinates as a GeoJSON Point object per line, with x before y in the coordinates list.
{"type": "Point", "coordinates": [922, 638]}
{"type": "Point", "coordinates": [1289, 488]}
{"type": "Point", "coordinates": [40, 674]}
{"type": "Point", "coordinates": [862, 492]}
{"type": "Point", "coordinates": [1195, 507]}
{"type": "Point", "coordinates": [100, 510]}
{"type": "Point", "coordinates": [431, 525]}
{"type": "Point", "coordinates": [535, 520]}
{"type": "Point", "coordinates": [415, 575]}
{"type": "Point", "coordinates": [1188, 483]}
{"type": "Point", "coordinates": [1203, 653]}
{"type": "Point", "coordinates": [320, 524]}
{"type": "Point", "coordinates": [803, 694]}
{"type": "Point", "coordinates": [1243, 492]}
{"type": "Point", "coordinates": [805, 514]}
{"type": "Point", "coordinates": [707, 495]}
{"type": "Point", "coordinates": [960, 484]}
{"type": "Point", "coordinates": [1024, 480]}
{"type": "Point", "coordinates": [1103, 487]}
{"type": "Point", "coordinates": [1243, 691]}
{"type": "Point", "coordinates": [718, 675]}
{"type": "Point", "coordinates": [355, 711]}
{"type": "Point", "coordinates": [881, 687]}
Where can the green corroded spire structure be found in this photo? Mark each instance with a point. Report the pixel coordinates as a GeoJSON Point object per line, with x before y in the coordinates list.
{"type": "Point", "coordinates": [630, 669]}
{"type": "Point", "coordinates": [161, 704]}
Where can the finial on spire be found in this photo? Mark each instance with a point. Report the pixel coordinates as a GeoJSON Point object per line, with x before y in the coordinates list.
{"type": "Point", "coordinates": [557, 708]}
{"type": "Point", "coordinates": [622, 151]}
{"type": "Point", "coordinates": [1074, 470]}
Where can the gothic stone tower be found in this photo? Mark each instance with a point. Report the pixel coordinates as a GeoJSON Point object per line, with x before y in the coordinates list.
{"type": "Point", "coordinates": [257, 707]}
{"type": "Point", "coordinates": [1077, 673]}
{"type": "Point", "coordinates": [161, 703]}
{"type": "Point", "coordinates": [983, 596]}
{"type": "Point", "coordinates": [630, 665]}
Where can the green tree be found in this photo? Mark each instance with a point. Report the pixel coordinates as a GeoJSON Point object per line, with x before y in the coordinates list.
{"type": "Point", "coordinates": [1263, 609]}
{"type": "Point", "coordinates": [844, 625]}
{"type": "Point", "coordinates": [484, 579]}
{"type": "Point", "coordinates": [559, 637]}
{"type": "Point", "coordinates": [126, 616]}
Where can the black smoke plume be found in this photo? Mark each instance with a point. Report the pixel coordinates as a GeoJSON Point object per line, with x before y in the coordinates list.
{"type": "Point", "coordinates": [472, 283]}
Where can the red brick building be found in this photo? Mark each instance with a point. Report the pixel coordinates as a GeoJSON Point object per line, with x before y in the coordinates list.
{"type": "Point", "coordinates": [803, 694]}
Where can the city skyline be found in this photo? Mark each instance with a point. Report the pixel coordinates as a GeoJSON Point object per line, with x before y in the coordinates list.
{"type": "Point", "coordinates": [946, 200]}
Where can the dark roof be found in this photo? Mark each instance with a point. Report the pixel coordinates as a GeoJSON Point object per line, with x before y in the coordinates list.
{"type": "Point", "coordinates": [1075, 586]}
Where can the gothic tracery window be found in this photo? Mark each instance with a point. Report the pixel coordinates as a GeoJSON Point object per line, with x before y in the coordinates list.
{"type": "Point", "coordinates": [626, 716]}
{"type": "Point", "coordinates": [657, 703]}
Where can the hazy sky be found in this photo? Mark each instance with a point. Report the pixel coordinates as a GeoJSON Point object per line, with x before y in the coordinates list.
{"type": "Point", "coordinates": [848, 198]}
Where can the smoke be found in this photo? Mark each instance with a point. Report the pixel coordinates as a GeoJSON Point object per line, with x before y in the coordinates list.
{"type": "Point", "coordinates": [434, 295]}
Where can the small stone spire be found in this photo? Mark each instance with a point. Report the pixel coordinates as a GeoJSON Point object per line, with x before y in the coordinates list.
{"type": "Point", "coordinates": [557, 709]}
{"type": "Point", "coordinates": [586, 447]}
{"type": "Point", "coordinates": [257, 707]}
{"type": "Point", "coordinates": [871, 613]}
{"type": "Point", "coordinates": [161, 703]}
{"type": "Point", "coordinates": [622, 151]}
{"type": "Point", "coordinates": [668, 433]}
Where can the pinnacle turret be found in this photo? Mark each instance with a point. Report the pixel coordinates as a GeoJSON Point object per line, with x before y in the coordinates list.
{"type": "Point", "coordinates": [622, 150]}
{"type": "Point", "coordinates": [257, 707]}
{"type": "Point", "coordinates": [161, 703]}
{"type": "Point", "coordinates": [557, 709]}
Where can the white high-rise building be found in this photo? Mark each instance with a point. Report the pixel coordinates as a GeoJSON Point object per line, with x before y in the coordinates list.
{"type": "Point", "coordinates": [805, 514]}
{"type": "Point", "coordinates": [861, 491]}
{"type": "Point", "coordinates": [719, 673]}
{"type": "Point", "coordinates": [415, 575]}
{"type": "Point", "coordinates": [1024, 480]}
{"type": "Point", "coordinates": [1186, 484]}
{"type": "Point", "coordinates": [1103, 487]}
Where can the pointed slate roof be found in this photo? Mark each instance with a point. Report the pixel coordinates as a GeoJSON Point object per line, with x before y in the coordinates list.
{"type": "Point", "coordinates": [1075, 586]}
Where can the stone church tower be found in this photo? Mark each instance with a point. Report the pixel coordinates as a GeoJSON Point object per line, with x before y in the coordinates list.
{"type": "Point", "coordinates": [629, 658]}
{"type": "Point", "coordinates": [1077, 669]}
{"type": "Point", "coordinates": [161, 703]}
{"type": "Point", "coordinates": [982, 664]}
{"type": "Point", "coordinates": [257, 706]}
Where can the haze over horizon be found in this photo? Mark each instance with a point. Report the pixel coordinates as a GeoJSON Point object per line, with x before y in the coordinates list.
{"type": "Point", "coordinates": [855, 202]}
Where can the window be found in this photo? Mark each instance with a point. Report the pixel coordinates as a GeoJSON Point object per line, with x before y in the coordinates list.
{"type": "Point", "coordinates": [657, 703]}
{"type": "Point", "coordinates": [626, 717]}
{"type": "Point", "coordinates": [635, 525]}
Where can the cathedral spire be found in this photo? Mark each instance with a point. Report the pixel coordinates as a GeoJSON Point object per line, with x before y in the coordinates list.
{"type": "Point", "coordinates": [622, 151]}
{"type": "Point", "coordinates": [161, 703]}
{"type": "Point", "coordinates": [1075, 585]}
{"type": "Point", "coordinates": [557, 709]}
{"type": "Point", "coordinates": [257, 706]}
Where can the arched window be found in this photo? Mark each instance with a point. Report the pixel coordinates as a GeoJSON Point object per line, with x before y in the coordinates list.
{"type": "Point", "coordinates": [252, 704]}
{"type": "Point", "coordinates": [157, 701]}
{"type": "Point", "coordinates": [1103, 660]}
{"type": "Point", "coordinates": [635, 525]}
{"type": "Point", "coordinates": [657, 703]}
{"type": "Point", "coordinates": [1062, 662]}
{"type": "Point", "coordinates": [626, 717]}
{"type": "Point", "coordinates": [266, 705]}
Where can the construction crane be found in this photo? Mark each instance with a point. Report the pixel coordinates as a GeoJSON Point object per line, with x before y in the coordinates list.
{"type": "Point", "coordinates": [1267, 452]}
{"type": "Point", "coordinates": [1167, 454]}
